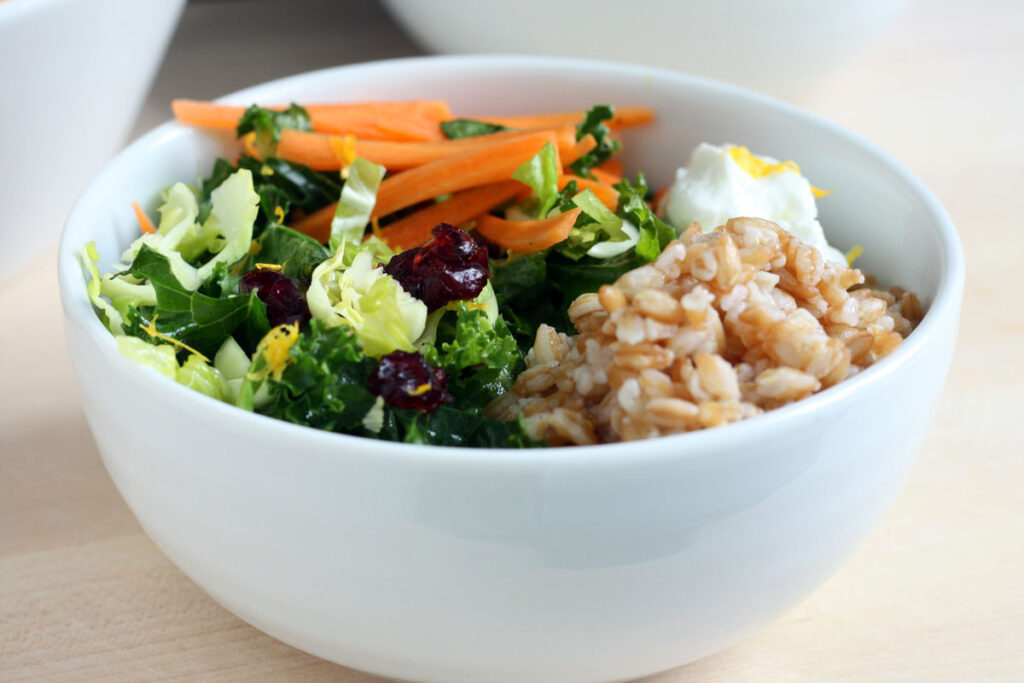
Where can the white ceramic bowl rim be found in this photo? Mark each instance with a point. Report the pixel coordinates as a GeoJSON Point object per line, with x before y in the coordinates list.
{"type": "Point", "coordinates": [693, 444]}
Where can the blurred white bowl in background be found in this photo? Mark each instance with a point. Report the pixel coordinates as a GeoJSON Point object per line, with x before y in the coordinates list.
{"type": "Point", "coordinates": [73, 74]}
{"type": "Point", "coordinates": [780, 47]}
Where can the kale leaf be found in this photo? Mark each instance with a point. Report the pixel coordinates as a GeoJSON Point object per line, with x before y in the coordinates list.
{"type": "Point", "coordinates": [593, 124]}
{"type": "Point", "coordinates": [200, 321]}
{"type": "Point", "coordinates": [268, 123]}
{"type": "Point", "coordinates": [324, 386]}
{"type": "Point", "coordinates": [468, 128]}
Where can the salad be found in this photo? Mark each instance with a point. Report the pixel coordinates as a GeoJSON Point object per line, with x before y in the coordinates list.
{"type": "Point", "coordinates": [392, 271]}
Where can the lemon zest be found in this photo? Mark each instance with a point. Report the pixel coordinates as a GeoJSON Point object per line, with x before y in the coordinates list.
{"type": "Point", "coordinates": [819, 193]}
{"type": "Point", "coordinates": [279, 215]}
{"type": "Point", "coordinates": [470, 305]}
{"type": "Point", "coordinates": [276, 267]}
{"type": "Point", "coordinates": [266, 170]}
{"type": "Point", "coordinates": [344, 149]}
{"type": "Point", "coordinates": [756, 167]}
{"type": "Point", "coordinates": [420, 390]}
{"type": "Point", "coordinates": [249, 144]}
{"type": "Point", "coordinates": [276, 348]}
{"type": "Point", "coordinates": [375, 226]}
{"type": "Point", "coordinates": [853, 254]}
{"type": "Point", "coordinates": [153, 332]}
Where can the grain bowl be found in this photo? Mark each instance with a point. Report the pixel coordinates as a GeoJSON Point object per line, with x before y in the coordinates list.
{"type": "Point", "coordinates": [589, 563]}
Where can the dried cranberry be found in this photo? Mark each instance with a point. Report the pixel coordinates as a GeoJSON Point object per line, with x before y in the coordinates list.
{"type": "Point", "coordinates": [450, 267]}
{"type": "Point", "coordinates": [405, 380]}
{"type": "Point", "coordinates": [284, 300]}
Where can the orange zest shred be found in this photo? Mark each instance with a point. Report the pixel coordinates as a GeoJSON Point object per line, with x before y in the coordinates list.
{"type": "Point", "coordinates": [153, 332]}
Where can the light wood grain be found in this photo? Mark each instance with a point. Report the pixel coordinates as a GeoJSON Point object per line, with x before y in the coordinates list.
{"type": "Point", "coordinates": [936, 594]}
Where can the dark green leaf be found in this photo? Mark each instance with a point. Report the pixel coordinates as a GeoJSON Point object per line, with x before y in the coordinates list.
{"type": "Point", "coordinates": [468, 128]}
{"type": "Point", "coordinates": [449, 426]}
{"type": "Point", "coordinates": [267, 124]}
{"type": "Point", "coordinates": [588, 274]}
{"type": "Point", "coordinates": [203, 322]}
{"type": "Point", "coordinates": [593, 124]}
{"type": "Point", "coordinates": [325, 384]}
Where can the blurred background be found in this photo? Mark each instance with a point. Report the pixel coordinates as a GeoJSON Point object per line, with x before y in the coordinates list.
{"type": "Point", "coordinates": [934, 594]}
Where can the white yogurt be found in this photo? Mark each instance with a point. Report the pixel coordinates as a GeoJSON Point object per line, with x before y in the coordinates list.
{"type": "Point", "coordinates": [728, 181]}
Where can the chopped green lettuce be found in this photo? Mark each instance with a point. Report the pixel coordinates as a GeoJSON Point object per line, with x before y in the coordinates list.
{"type": "Point", "coordinates": [194, 373]}
{"type": "Point", "coordinates": [356, 203]}
{"type": "Point", "coordinates": [654, 234]}
{"type": "Point", "coordinates": [541, 174]}
{"type": "Point", "coordinates": [226, 233]}
{"type": "Point", "coordinates": [105, 310]}
{"type": "Point", "coordinates": [598, 232]}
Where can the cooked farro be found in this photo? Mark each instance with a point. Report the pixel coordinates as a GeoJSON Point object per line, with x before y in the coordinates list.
{"type": "Point", "coordinates": [721, 327]}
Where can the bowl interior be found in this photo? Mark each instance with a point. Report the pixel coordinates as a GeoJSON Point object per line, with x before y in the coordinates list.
{"type": "Point", "coordinates": [906, 235]}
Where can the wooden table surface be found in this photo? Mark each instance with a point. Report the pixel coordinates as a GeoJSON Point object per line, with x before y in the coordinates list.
{"type": "Point", "coordinates": [937, 592]}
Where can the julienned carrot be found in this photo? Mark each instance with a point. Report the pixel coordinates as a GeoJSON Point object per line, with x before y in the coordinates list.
{"type": "Point", "coordinates": [613, 166]}
{"type": "Point", "coordinates": [414, 230]}
{"type": "Point", "coordinates": [413, 120]}
{"type": "Point", "coordinates": [318, 151]}
{"type": "Point", "coordinates": [584, 145]}
{"type": "Point", "coordinates": [607, 195]}
{"type": "Point", "coordinates": [606, 177]}
{"type": "Point", "coordinates": [527, 236]}
{"type": "Point", "coordinates": [145, 225]}
{"type": "Point", "coordinates": [470, 168]}
{"type": "Point", "coordinates": [624, 116]}
{"type": "Point", "coordinates": [207, 114]}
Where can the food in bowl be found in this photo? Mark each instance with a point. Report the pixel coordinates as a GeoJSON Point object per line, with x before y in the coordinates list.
{"type": "Point", "coordinates": [392, 271]}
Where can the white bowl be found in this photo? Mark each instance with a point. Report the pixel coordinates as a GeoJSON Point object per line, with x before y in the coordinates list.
{"type": "Point", "coordinates": [584, 564]}
{"type": "Point", "coordinates": [73, 75]}
{"type": "Point", "coordinates": [781, 47]}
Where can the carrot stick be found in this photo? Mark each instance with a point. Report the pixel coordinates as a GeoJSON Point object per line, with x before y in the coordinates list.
{"type": "Point", "coordinates": [527, 236]}
{"type": "Point", "coordinates": [145, 225]}
{"type": "Point", "coordinates": [414, 230]}
{"type": "Point", "coordinates": [608, 195]}
{"type": "Point", "coordinates": [585, 144]}
{"type": "Point", "coordinates": [207, 114]}
{"type": "Point", "coordinates": [415, 120]}
{"type": "Point", "coordinates": [470, 168]}
{"type": "Point", "coordinates": [624, 116]}
{"type": "Point", "coordinates": [399, 121]}
{"type": "Point", "coordinates": [613, 166]}
{"type": "Point", "coordinates": [606, 177]}
{"type": "Point", "coordinates": [317, 151]}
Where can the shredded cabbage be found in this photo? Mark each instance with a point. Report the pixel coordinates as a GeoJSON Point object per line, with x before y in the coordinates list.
{"type": "Point", "coordinates": [383, 315]}
{"type": "Point", "coordinates": [358, 197]}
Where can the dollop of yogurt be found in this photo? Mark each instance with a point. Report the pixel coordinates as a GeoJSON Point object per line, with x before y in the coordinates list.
{"type": "Point", "coordinates": [728, 182]}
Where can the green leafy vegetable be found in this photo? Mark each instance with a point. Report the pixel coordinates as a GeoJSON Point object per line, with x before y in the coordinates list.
{"type": "Point", "coordinates": [355, 205]}
{"type": "Point", "coordinates": [202, 322]}
{"type": "Point", "coordinates": [655, 234]}
{"type": "Point", "coordinates": [593, 124]}
{"type": "Point", "coordinates": [541, 174]}
{"type": "Point", "coordinates": [480, 356]}
{"type": "Point", "coordinates": [194, 373]}
{"type": "Point", "coordinates": [324, 385]}
{"type": "Point", "coordinates": [602, 234]}
{"type": "Point", "coordinates": [267, 125]}
{"type": "Point", "coordinates": [588, 274]}
{"type": "Point", "coordinates": [468, 128]}
{"type": "Point", "coordinates": [383, 315]}
{"type": "Point", "coordinates": [449, 426]}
